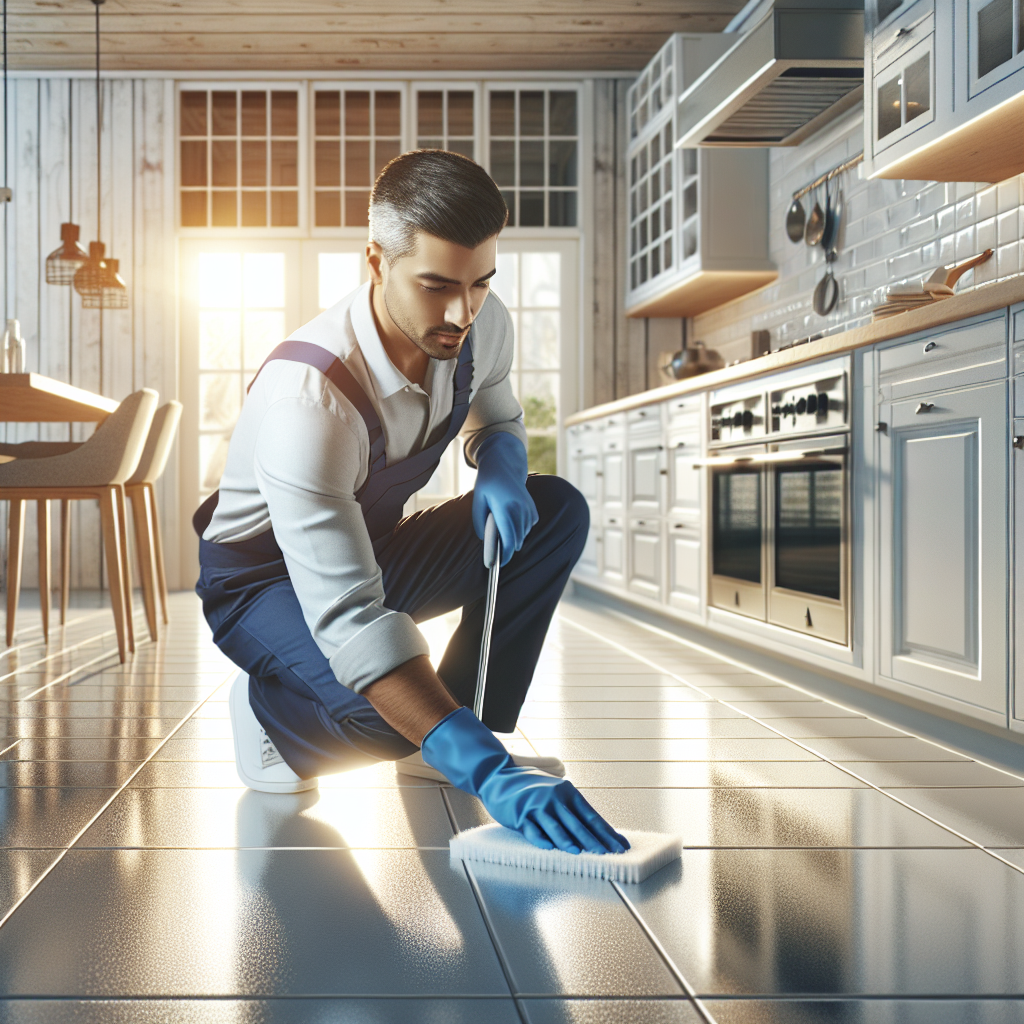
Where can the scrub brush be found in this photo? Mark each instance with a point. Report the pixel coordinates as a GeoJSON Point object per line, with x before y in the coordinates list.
{"type": "Point", "coordinates": [495, 844]}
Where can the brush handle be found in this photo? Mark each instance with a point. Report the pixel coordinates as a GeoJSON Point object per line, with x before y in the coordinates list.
{"type": "Point", "coordinates": [960, 269]}
{"type": "Point", "coordinates": [492, 559]}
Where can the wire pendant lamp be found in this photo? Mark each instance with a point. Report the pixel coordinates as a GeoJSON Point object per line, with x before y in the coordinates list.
{"type": "Point", "coordinates": [63, 263]}
{"type": "Point", "coordinates": [97, 279]}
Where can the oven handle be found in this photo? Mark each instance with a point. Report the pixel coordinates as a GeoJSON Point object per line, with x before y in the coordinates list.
{"type": "Point", "coordinates": [763, 457]}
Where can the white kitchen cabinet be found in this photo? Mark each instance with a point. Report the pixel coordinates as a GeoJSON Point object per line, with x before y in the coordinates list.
{"type": "Point", "coordinates": [1017, 606]}
{"type": "Point", "coordinates": [584, 470]}
{"type": "Point", "coordinates": [613, 551]}
{"type": "Point", "coordinates": [684, 565]}
{"type": "Point", "coordinates": [646, 558]}
{"type": "Point", "coordinates": [613, 474]}
{"type": "Point", "coordinates": [942, 513]}
{"type": "Point", "coordinates": [646, 475]}
{"type": "Point", "coordinates": [944, 89]}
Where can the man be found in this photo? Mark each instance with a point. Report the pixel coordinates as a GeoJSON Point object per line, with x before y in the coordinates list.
{"type": "Point", "coordinates": [311, 579]}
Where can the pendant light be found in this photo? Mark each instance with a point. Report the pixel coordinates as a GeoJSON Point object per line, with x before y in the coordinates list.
{"type": "Point", "coordinates": [62, 264]}
{"type": "Point", "coordinates": [97, 280]}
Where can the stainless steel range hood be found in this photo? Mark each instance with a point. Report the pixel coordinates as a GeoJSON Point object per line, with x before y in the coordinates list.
{"type": "Point", "coordinates": [797, 68]}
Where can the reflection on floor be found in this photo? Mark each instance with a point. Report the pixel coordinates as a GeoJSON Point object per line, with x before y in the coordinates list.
{"type": "Point", "coordinates": [836, 869]}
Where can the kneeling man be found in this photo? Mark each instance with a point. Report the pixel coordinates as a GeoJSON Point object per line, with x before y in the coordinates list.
{"type": "Point", "coordinates": [313, 581]}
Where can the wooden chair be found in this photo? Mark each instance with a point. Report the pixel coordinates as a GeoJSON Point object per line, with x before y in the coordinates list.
{"type": "Point", "coordinates": [96, 470]}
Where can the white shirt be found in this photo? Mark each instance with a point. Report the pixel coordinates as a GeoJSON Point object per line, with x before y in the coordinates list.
{"type": "Point", "coordinates": [300, 452]}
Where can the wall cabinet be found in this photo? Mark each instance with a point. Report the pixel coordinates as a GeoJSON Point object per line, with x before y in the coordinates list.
{"type": "Point", "coordinates": [944, 89]}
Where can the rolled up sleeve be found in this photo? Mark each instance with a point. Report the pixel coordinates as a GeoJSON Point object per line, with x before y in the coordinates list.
{"type": "Point", "coordinates": [307, 464]}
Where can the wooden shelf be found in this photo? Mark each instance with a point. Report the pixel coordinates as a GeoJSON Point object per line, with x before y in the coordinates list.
{"type": "Point", "coordinates": [702, 291]}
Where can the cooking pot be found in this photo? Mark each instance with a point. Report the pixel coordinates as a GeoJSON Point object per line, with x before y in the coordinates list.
{"type": "Point", "coordinates": [694, 359]}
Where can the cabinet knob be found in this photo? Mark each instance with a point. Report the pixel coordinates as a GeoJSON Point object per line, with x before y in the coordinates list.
{"type": "Point", "coordinates": [881, 428]}
{"type": "Point", "coordinates": [931, 346]}
{"type": "Point", "coordinates": [1018, 441]}
{"type": "Point", "coordinates": [664, 472]}
{"type": "Point", "coordinates": [599, 473]}
{"type": "Point", "coordinates": [680, 444]}
{"type": "Point", "coordinates": [924, 407]}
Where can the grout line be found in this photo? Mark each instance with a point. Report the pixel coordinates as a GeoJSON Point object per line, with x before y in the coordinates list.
{"type": "Point", "coordinates": [670, 964]}
{"type": "Point", "coordinates": [11, 747]}
{"type": "Point", "coordinates": [849, 771]}
{"type": "Point", "coordinates": [67, 675]}
{"type": "Point", "coordinates": [43, 641]}
{"type": "Point", "coordinates": [117, 792]}
{"type": "Point", "coordinates": [58, 654]}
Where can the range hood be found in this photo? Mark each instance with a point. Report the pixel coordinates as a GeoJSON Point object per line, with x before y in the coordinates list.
{"type": "Point", "coordinates": [797, 68]}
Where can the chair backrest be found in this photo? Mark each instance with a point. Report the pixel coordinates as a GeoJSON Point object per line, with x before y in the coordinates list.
{"type": "Point", "coordinates": [158, 444]}
{"type": "Point", "coordinates": [108, 457]}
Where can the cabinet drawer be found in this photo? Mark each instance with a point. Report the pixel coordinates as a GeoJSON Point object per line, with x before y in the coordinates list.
{"type": "Point", "coordinates": [890, 41]}
{"type": "Point", "coordinates": [643, 420]}
{"type": "Point", "coordinates": [684, 407]}
{"type": "Point", "coordinates": [962, 356]}
{"type": "Point", "coordinates": [583, 433]}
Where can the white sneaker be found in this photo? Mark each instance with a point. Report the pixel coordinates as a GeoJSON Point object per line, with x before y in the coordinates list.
{"type": "Point", "coordinates": [257, 760]}
{"type": "Point", "coordinates": [415, 765]}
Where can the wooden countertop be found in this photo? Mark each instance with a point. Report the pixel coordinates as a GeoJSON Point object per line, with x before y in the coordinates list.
{"type": "Point", "coordinates": [983, 299]}
{"type": "Point", "coordinates": [33, 398]}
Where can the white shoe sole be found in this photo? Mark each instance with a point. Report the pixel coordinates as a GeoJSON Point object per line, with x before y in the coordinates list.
{"type": "Point", "coordinates": [238, 703]}
{"type": "Point", "coordinates": [416, 766]}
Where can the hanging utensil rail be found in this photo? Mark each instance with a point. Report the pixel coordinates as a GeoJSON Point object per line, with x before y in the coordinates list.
{"type": "Point", "coordinates": [828, 176]}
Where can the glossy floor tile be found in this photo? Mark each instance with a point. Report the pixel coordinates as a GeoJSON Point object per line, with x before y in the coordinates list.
{"type": "Point", "coordinates": [836, 869]}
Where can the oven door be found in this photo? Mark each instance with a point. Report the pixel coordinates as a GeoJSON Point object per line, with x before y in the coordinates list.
{"type": "Point", "coordinates": [808, 543]}
{"type": "Point", "coordinates": [738, 570]}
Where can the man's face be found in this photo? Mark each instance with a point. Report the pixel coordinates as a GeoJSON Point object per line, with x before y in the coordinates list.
{"type": "Point", "coordinates": [434, 295]}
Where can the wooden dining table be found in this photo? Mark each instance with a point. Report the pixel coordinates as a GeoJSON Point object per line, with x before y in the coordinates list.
{"type": "Point", "coordinates": [33, 398]}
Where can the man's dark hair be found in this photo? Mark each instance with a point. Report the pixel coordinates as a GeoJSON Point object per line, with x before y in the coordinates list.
{"type": "Point", "coordinates": [444, 194]}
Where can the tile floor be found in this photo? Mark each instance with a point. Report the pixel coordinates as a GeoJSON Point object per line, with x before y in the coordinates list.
{"type": "Point", "coordinates": [836, 869]}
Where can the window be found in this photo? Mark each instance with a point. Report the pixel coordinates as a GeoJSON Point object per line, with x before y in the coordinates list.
{"type": "Point", "coordinates": [533, 154]}
{"type": "Point", "coordinates": [651, 208]}
{"type": "Point", "coordinates": [529, 283]}
{"type": "Point", "coordinates": [239, 158]}
{"type": "Point", "coordinates": [357, 132]}
{"type": "Point", "coordinates": [338, 274]}
{"type": "Point", "coordinates": [241, 307]}
{"type": "Point", "coordinates": [446, 119]}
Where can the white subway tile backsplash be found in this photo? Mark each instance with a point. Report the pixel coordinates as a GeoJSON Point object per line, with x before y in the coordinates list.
{"type": "Point", "coordinates": [893, 232]}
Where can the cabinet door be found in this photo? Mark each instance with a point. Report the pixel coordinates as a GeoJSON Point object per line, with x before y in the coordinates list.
{"type": "Point", "coordinates": [684, 480]}
{"type": "Point", "coordinates": [995, 41]}
{"type": "Point", "coordinates": [613, 551]}
{"type": "Point", "coordinates": [904, 94]}
{"type": "Point", "coordinates": [645, 476]}
{"type": "Point", "coordinates": [942, 492]}
{"type": "Point", "coordinates": [613, 479]}
{"type": "Point", "coordinates": [584, 474]}
{"type": "Point", "coordinates": [590, 560]}
{"type": "Point", "coordinates": [1018, 575]}
{"type": "Point", "coordinates": [646, 562]}
{"type": "Point", "coordinates": [684, 556]}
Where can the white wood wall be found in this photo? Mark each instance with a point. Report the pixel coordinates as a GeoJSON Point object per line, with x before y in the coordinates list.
{"type": "Point", "coordinates": [51, 138]}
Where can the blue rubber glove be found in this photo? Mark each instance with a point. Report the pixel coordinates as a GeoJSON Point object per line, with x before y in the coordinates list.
{"type": "Point", "coordinates": [551, 813]}
{"type": "Point", "coordinates": [501, 490]}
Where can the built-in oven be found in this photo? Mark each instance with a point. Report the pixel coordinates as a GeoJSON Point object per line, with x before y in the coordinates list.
{"type": "Point", "coordinates": [779, 508]}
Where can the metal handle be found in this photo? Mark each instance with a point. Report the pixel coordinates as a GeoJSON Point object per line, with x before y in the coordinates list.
{"type": "Point", "coordinates": [680, 444]}
{"type": "Point", "coordinates": [492, 560]}
{"type": "Point", "coordinates": [641, 522]}
{"type": "Point", "coordinates": [642, 412]}
{"type": "Point", "coordinates": [663, 472]}
{"type": "Point", "coordinates": [783, 456]}
{"type": "Point", "coordinates": [1018, 441]}
{"type": "Point", "coordinates": [931, 346]}
{"type": "Point", "coordinates": [881, 427]}
{"type": "Point", "coordinates": [924, 407]}
{"type": "Point", "coordinates": [598, 473]}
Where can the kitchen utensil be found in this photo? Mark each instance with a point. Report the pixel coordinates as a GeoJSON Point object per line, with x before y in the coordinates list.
{"type": "Point", "coordinates": [694, 359]}
{"type": "Point", "coordinates": [796, 219]}
{"type": "Point", "coordinates": [942, 281]}
{"type": "Point", "coordinates": [833, 218]}
{"type": "Point", "coordinates": [826, 294]}
{"type": "Point", "coordinates": [492, 561]}
{"type": "Point", "coordinates": [815, 225]}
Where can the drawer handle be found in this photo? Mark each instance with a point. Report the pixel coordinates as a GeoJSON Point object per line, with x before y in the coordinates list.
{"type": "Point", "coordinates": [931, 346]}
{"type": "Point", "coordinates": [680, 444]}
{"type": "Point", "coordinates": [599, 473]}
{"type": "Point", "coordinates": [613, 522]}
{"type": "Point", "coordinates": [1018, 442]}
{"type": "Point", "coordinates": [924, 407]}
{"type": "Point", "coordinates": [679, 526]}
{"type": "Point", "coordinates": [641, 522]}
{"type": "Point", "coordinates": [612, 445]}
{"type": "Point", "coordinates": [663, 472]}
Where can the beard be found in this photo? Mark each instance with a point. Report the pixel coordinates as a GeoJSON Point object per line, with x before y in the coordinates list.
{"type": "Point", "coordinates": [441, 342]}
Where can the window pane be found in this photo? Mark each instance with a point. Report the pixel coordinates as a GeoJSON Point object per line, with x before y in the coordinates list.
{"type": "Point", "coordinates": [220, 340]}
{"type": "Point", "coordinates": [503, 163]}
{"type": "Point", "coordinates": [538, 340]}
{"type": "Point", "coordinates": [503, 113]}
{"type": "Point", "coordinates": [254, 209]}
{"type": "Point", "coordinates": [563, 113]}
{"type": "Point", "coordinates": [357, 209]}
{"type": "Point", "coordinates": [284, 209]}
{"type": "Point", "coordinates": [254, 113]}
{"type": "Point", "coordinates": [263, 331]}
{"type": "Point", "coordinates": [193, 113]}
{"type": "Point", "coordinates": [541, 279]}
{"type": "Point", "coordinates": [213, 455]}
{"type": "Point", "coordinates": [537, 396]}
{"type": "Point", "coordinates": [531, 163]}
{"type": "Point", "coordinates": [387, 113]}
{"type": "Point", "coordinates": [505, 283]}
{"type": "Point", "coordinates": [193, 209]}
{"type": "Point", "coordinates": [263, 279]}
{"type": "Point", "coordinates": [430, 143]}
{"type": "Point", "coordinates": [995, 36]}
{"type": "Point", "coordinates": [430, 113]}
{"type": "Point", "coordinates": [338, 275]}
{"type": "Point", "coordinates": [254, 162]}
{"type": "Point", "coordinates": [690, 200]}
{"type": "Point", "coordinates": [220, 280]}
{"type": "Point", "coordinates": [917, 87]}
{"type": "Point", "coordinates": [328, 163]}
{"type": "Point", "coordinates": [223, 120]}
{"type": "Point", "coordinates": [223, 170]}
{"type": "Point", "coordinates": [284, 113]}
{"type": "Point", "coordinates": [531, 113]}
{"type": "Point", "coordinates": [385, 151]}
{"type": "Point", "coordinates": [357, 162]}
{"type": "Point", "coordinates": [562, 209]}
{"type": "Point", "coordinates": [224, 208]}
{"type": "Point", "coordinates": [328, 210]}
{"type": "Point", "coordinates": [357, 113]}
{"type": "Point", "coordinates": [542, 454]}
{"type": "Point", "coordinates": [463, 146]}
{"type": "Point", "coordinates": [328, 113]}
{"type": "Point", "coordinates": [889, 115]}
{"type": "Point", "coordinates": [220, 400]}
{"type": "Point", "coordinates": [510, 202]}
{"type": "Point", "coordinates": [284, 163]}
{"type": "Point", "coordinates": [531, 209]}
{"type": "Point", "coordinates": [193, 163]}
{"type": "Point", "coordinates": [460, 113]}
{"type": "Point", "coordinates": [562, 160]}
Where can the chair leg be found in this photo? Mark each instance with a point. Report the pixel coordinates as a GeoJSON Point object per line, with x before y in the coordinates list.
{"type": "Point", "coordinates": [126, 566]}
{"type": "Point", "coordinates": [144, 551]}
{"type": "Point", "coordinates": [65, 558]}
{"type": "Point", "coordinates": [45, 568]}
{"type": "Point", "coordinates": [15, 549]}
{"type": "Point", "coordinates": [158, 548]}
{"type": "Point", "coordinates": [115, 565]}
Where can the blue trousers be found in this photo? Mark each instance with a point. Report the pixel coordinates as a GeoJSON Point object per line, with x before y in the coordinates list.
{"type": "Point", "coordinates": [432, 564]}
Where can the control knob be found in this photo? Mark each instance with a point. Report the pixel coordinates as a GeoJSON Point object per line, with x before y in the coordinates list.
{"type": "Point", "coordinates": [801, 406]}
{"type": "Point", "coordinates": [812, 404]}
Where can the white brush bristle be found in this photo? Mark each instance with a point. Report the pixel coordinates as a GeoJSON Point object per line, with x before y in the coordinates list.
{"type": "Point", "coordinates": [495, 844]}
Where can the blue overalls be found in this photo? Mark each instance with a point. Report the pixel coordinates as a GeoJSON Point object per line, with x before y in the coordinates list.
{"type": "Point", "coordinates": [431, 562]}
